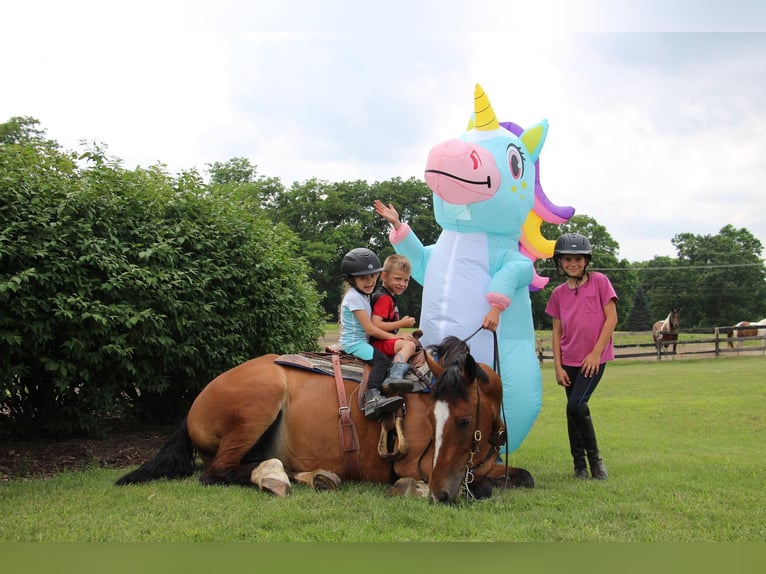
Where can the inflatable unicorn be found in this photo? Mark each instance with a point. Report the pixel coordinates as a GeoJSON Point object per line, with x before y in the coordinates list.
{"type": "Point", "coordinates": [490, 205]}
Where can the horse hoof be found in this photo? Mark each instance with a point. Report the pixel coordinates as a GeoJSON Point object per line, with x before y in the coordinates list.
{"type": "Point", "coordinates": [325, 480]}
{"type": "Point", "coordinates": [270, 476]}
{"type": "Point", "coordinates": [275, 487]}
{"type": "Point", "coordinates": [409, 487]}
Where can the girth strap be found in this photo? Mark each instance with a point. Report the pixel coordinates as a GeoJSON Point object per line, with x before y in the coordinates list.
{"type": "Point", "coordinates": [349, 442]}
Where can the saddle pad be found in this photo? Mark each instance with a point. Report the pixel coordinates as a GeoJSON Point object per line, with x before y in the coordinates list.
{"type": "Point", "coordinates": [352, 369]}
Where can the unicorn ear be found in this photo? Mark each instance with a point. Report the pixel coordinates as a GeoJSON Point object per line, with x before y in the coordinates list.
{"type": "Point", "coordinates": [534, 138]}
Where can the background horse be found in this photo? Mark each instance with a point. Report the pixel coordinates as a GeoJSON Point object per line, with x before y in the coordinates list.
{"type": "Point", "coordinates": [742, 329]}
{"type": "Point", "coordinates": [665, 332]}
{"type": "Point", "coordinates": [266, 424]}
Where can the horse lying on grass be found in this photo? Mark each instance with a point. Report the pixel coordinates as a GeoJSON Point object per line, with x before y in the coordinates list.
{"type": "Point", "coordinates": [268, 424]}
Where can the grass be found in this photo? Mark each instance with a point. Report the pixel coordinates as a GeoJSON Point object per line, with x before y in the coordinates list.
{"type": "Point", "coordinates": [682, 440]}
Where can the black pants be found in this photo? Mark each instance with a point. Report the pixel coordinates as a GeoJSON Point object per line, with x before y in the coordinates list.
{"type": "Point", "coordinates": [379, 364]}
{"type": "Point", "coordinates": [582, 436]}
{"type": "Point", "coordinates": [581, 390]}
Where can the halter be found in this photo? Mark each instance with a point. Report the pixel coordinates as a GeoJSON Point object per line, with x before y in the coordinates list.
{"type": "Point", "coordinates": [496, 439]}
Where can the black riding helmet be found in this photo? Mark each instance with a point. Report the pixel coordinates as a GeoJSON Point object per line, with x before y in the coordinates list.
{"type": "Point", "coordinates": [360, 261]}
{"type": "Point", "coordinates": [572, 244]}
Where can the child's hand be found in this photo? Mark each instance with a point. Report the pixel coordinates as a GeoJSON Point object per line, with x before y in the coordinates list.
{"type": "Point", "coordinates": [408, 321]}
{"type": "Point", "coordinates": [590, 364]}
{"type": "Point", "coordinates": [562, 378]}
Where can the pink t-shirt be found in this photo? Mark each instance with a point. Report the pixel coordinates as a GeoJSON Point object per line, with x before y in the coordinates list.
{"type": "Point", "coordinates": [582, 317]}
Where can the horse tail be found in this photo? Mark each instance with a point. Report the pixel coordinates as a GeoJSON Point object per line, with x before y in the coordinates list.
{"type": "Point", "coordinates": [174, 460]}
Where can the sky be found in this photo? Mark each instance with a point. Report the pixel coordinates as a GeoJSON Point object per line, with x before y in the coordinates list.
{"type": "Point", "coordinates": [656, 109]}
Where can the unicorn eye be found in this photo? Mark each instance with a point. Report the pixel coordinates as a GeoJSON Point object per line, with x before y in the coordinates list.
{"type": "Point", "coordinates": [515, 161]}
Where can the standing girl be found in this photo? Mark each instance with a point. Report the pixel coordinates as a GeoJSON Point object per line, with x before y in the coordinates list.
{"type": "Point", "coordinates": [584, 311]}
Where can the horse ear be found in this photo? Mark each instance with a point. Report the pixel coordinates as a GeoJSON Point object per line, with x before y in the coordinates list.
{"type": "Point", "coordinates": [436, 368]}
{"type": "Point", "coordinates": [470, 368]}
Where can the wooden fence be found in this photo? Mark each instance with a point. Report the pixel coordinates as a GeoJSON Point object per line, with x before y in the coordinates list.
{"type": "Point", "coordinates": [690, 342]}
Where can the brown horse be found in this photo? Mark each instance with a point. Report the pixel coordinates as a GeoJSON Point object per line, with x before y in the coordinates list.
{"type": "Point", "coordinates": [742, 329]}
{"type": "Point", "coordinates": [267, 424]}
{"type": "Point", "coordinates": [665, 332]}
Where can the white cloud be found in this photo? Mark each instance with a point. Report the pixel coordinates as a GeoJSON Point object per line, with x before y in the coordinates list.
{"type": "Point", "coordinates": [651, 134]}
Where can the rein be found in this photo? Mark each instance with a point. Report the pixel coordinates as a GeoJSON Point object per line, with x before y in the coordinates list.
{"type": "Point", "coordinates": [496, 440]}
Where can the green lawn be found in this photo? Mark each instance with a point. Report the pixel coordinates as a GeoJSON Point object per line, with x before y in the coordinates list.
{"type": "Point", "coordinates": [682, 440]}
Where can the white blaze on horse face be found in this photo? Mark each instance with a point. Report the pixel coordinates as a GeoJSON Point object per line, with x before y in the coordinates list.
{"type": "Point", "coordinates": [441, 414]}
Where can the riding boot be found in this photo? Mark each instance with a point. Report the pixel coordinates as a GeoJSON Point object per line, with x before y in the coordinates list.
{"type": "Point", "coordinates": [578, 451]}
{"type": "Point", "coordinates": [376, 404]}
{"type": "Point", "coordinates": [395, 382]}
{"type": "Point", "coordinates": [588, 436]}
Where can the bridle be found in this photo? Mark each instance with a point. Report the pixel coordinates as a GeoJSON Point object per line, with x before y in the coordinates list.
{"type": "Point", "coordinates": [496, 440]}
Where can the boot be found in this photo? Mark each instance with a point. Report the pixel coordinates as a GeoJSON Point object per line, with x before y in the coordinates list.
{"type": "Point", "coordinates": [588, 435]}
{"type": "Point", "coordinates": [578, 451]}
{"type": "Point", "coordinates": [395, 381]}
{"type": "Point", "coordinates": [376, 404]}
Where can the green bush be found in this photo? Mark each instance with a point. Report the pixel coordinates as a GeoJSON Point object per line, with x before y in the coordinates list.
{"type": "Point", "coordinates": [127, 291]}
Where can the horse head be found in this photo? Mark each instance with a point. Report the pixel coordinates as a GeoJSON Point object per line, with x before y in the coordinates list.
{"type": "Point", "coordinates": [674, 319]}
{"type": "Point", "coordinates": [466, 413]}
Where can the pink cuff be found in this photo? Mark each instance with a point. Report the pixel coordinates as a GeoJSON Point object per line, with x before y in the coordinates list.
{"type": "Point", "coordinates": [397, 235]}
{"type": "Point", "coordinates": [498, 300]}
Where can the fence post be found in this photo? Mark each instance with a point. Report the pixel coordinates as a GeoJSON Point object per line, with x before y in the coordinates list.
{"type": "Point", "coordinates": [717, 343]}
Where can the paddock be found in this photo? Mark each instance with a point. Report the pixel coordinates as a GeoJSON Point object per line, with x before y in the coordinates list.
{"type": "Point", "coordinates": [692, 342]}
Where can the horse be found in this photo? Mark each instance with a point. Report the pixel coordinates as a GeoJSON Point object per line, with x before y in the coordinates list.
{"type": "Point", "coordinates": [268, 424]}
{"type": "Point", "coordinates": [742, 329]}
{"type": "Point", "coordinates": [665, 332]}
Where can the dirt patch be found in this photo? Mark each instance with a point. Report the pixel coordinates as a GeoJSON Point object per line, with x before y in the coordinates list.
{"type": "Point", "coordinates": [125, 447]}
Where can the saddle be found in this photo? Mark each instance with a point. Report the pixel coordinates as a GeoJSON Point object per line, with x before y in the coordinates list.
{"type": "Point", "coordinates": [353, 368]}
{"type": "Point", "coordinates": [392, 444]}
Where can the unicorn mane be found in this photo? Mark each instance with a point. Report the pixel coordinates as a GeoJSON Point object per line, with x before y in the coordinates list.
{"type": "Point", "coordinates": [532, 244]}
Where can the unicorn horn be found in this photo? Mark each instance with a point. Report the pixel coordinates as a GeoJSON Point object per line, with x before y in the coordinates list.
{"type": "Point", "coordinates": [484, 115]}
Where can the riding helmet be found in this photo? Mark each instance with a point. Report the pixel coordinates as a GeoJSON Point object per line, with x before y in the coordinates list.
{"type": "Point", "coordinates": [572, 244]}
{"type": "Point", "coordinates": [360, 261]}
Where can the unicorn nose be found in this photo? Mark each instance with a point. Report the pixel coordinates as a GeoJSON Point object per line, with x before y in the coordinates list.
{"type": "Point", "coordinates": [461, 173]}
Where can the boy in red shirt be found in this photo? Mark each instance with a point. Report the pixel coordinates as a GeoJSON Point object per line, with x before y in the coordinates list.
{"type": "Point", "coordinates": [385, 315]}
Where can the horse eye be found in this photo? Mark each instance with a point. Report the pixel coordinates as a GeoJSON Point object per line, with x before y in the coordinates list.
{"type": "Point", "coordinates": [464, 422]}
{"type": "Point", "coordinates": [515, 162]}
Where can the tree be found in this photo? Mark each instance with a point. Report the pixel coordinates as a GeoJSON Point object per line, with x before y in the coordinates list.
{"type": "Point", "coordinates": [605, 250]}
{"type": "Point", "coordinates": [639, 318]}
{"type": "Point", "coordinates": [660, 282]}
{"type": "Point", "coordinates": [332, 218]}
{"type": "Point", "coordinates": [721, 278]}
{"type": "Point", "coordinates": [127, 291]}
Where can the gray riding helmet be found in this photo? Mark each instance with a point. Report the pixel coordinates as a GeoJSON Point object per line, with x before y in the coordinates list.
{"type": "Point", "coordinates": [360, 261]}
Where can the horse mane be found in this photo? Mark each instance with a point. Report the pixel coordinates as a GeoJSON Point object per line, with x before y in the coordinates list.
{"type": "Point", "coordinates": [454, 355]}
